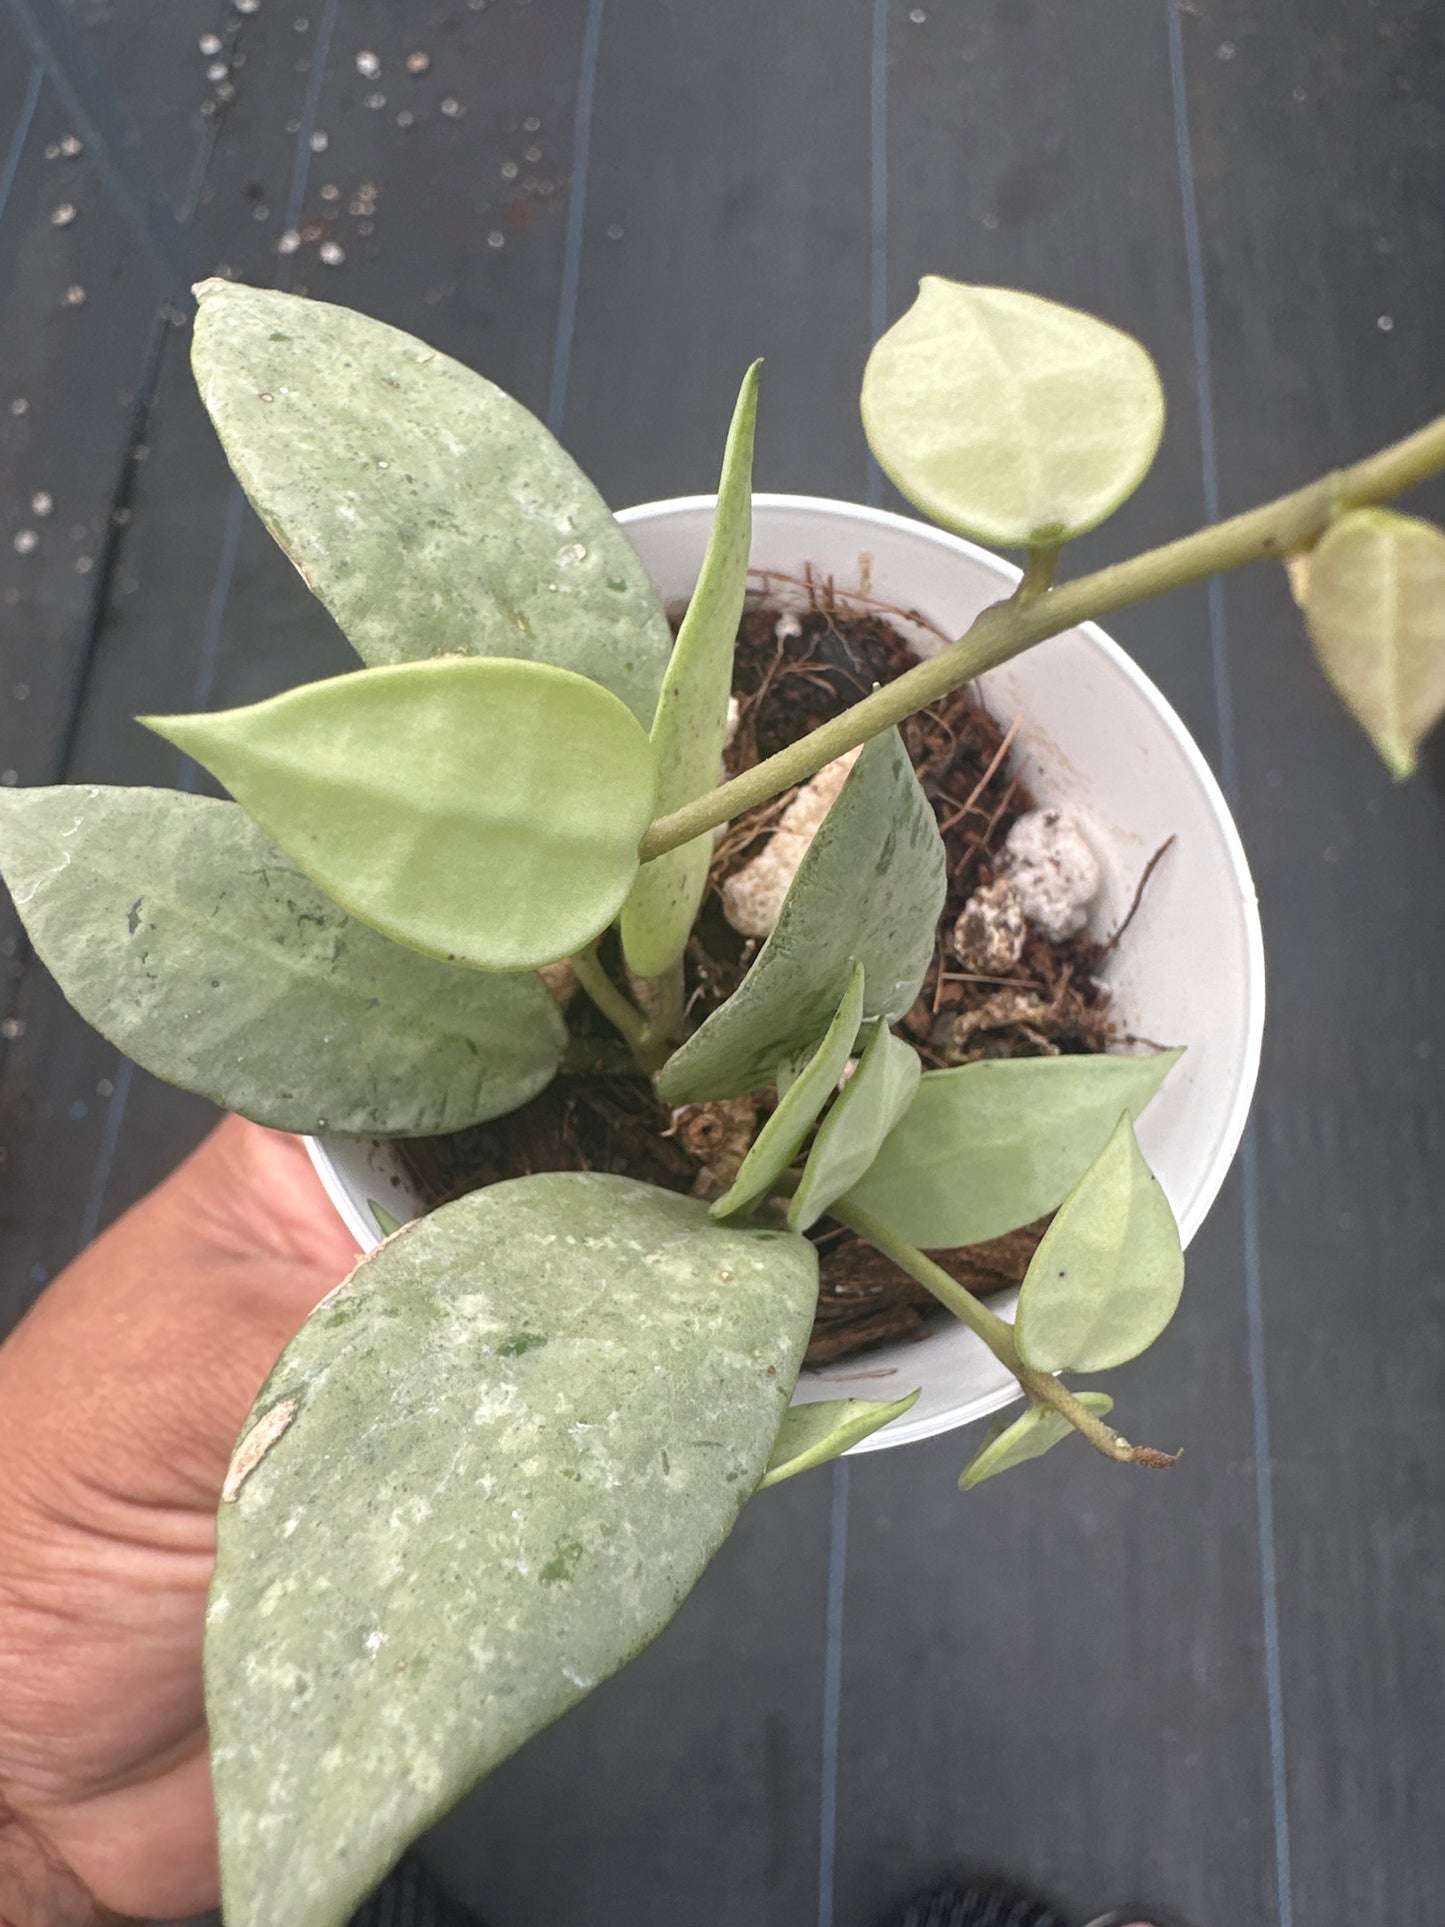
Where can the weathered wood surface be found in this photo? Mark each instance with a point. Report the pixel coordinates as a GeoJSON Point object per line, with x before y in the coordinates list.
{"type": "Point", "coordinates": [1221, 1688]}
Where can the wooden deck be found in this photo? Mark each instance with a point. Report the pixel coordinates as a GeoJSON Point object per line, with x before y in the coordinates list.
{"type": "Point", "coordinates": [1223, 1689]}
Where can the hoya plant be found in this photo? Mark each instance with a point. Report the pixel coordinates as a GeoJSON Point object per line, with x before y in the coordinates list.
{"type": "Point", "coordinates": [496, 1458]}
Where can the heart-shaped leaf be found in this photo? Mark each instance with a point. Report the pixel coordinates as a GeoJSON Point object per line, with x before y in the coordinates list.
{"type": "Point", "coordinates": [692, 711]}
{"type": "Point", "coordinates": [870, 888]}
{"type": "Point", "coordinates": [991, 1146]}
{"type": "Point", "coordinates": [430, 512]}
{"type": "Point", "coordinates": [1374, 600]}
{"type": "Point", "coordinates": [1014, 1442]}
{"type": "Point", "coordinates": [485, 1474]}
{"type": "Point", "coordinates": [1106, 1278]}
{"type": "Point", "coordinates": [484, 812]}
{"type": "Point", "coordinates": [1008, 417]}
{"type": "Point", "coordinates": [176, 928]}
{"type": "Point", "coordinates": [813, 1434]}
{"type": "Point", "coordinates": [852, 1134]}
{"type": "Point", "coordinates": [802, 1093]}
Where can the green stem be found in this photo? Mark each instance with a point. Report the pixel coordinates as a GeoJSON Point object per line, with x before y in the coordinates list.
{"type": "Point", "coordinates": [1038, 576]}
{"type": "Point", "coordinates": [1279, 528]}
{"type": "Point", "coordinates": [998, 1335]}
{"type": "Point", "coordinates": [667, 1006]}
{"type": "Point", "coordinates": [616, 1008]}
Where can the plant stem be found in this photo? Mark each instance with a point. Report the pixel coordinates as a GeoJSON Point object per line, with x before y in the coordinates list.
{"type": "Point", "coordinates": [664, 1023]}
{"type": "Point", "coordinates": [1280, 528]}
{"type": "Point", "coordinates": [615, 1007]}
{"type": "Point", "coordinates": [998, 1335]}
{"type": "Point", "coordinates": [1038, 576]}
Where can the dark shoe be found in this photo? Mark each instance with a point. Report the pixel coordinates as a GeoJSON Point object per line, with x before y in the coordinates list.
{"type": "Point", "coordinates": [409, 1897]}
{"type": "Point", "coordinates": [978, 1903]}
{"type": "Point", "coordinates": [1136, 1917]}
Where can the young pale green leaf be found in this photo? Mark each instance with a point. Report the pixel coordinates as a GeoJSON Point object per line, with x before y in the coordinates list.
{"type": "Point", "coordinates": [813, 1434]}
{"type": "Point", "coordinates": [1106, 1279]}
{"type": "Point", "coordinates": [175, 927]}
{"type": "Point", "coordinates": [1374, 601]}
{"type": "Point", "coordinates": [1014, 1442]}
{"type": "Point", "coordinates": [800, 1099]}
{"type": "Point", "coordinates": [384, 1221]}
{"type": "Point", "coordinates": [992, 1146]}
{"type": "Point", "coordinates": [484, 1475]}
{"type": "Point", "coordinates": [871, 887]}
{"type": "Point", "coordinates": [692, 711]}
{"type": "Point", "coordinates": [430, 512]}
{"type": "Point", "coordinates": [1008, 417]}
{"type": "Point", "coordinates": [852, 1134]}
{"type": "Point", "coordinates": [484, 812]}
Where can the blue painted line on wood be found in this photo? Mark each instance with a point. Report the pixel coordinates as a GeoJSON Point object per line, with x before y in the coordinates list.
{"type": "Point", "coordinates": [232, 527]}
{"type": "Point", "coordinates": [832, 1692]}
{"type": "Point", "coordinates": [105, 1157]}
{"type": "Point", "coordinates": [310, 109]}
{"type": "Point", "coordinates": [111, 142]}
{"type": "Point", "coordinates": [1249, 1150]}
{"type": "Point", "coordinates": [10, 167]}
{"type": "Point", "coordinates": [209, 650]}
{"type": "Point", "coordinates": [838, 1511]}
{"type": "Point", "coordinates": [878, 205]}
{"type": "Point", "coordinates": [576, 217]}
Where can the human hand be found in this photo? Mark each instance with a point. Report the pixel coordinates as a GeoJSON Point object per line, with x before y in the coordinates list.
{"type": "Point", "coordinates": [121, 1398]}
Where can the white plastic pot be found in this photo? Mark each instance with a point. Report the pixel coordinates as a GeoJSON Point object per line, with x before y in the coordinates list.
{"type": "Point", "coordinates": [1096, 737]}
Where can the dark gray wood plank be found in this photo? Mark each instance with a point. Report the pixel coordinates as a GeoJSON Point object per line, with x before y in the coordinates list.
{"type": "Point", "coordinates": [685, 1789]}
{"type": "Point", "coordinates": [728, 218]}
{"type": "Point", "coordinates": [690, 1787]}
{"type": "Point", "coordinates": [63, 1093]}
{"type": "Point", "coordinates": [1321, 155]}
{"type": "Point", "coordinates": [1060, 1675]}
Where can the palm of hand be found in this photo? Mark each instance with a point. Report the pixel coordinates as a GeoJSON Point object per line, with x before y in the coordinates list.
{"type": "Point", "coordinates": [121, 1397]}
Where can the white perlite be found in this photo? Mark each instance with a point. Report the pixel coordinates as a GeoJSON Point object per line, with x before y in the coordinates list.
{"type": "Point", "coordinates": [989, 935]}
{"type": "Point", "coordinates": [1054, 871]}
{"type": "Point", "coordinates": [753, 898]}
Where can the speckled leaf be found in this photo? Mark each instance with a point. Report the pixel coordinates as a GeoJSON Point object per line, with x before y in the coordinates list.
{"type": "Point", "coordinates": [186, 938]}
{"type": "Point", "coordinates": [802, 1093]}
{"type": "Point", "coordinates": [692, 711]}
{"type": "Point", "coordinates": [813, 1434]}
{"type": "Point", "coordinates": [871, 887]}
{"type": "Point", "coordinates": [483, 812]}
{"type": "Point", "coordinates": [992, 1146]}
{"type": "Point", "coordinates": [485, 1474]}
{"type": "Point", "coordinates": [853, 1132]}
{"type": "Point", "coordinates": [1106, 1279]}
{"type": "Point", "coordinates": [1008, 417]}
{"type": "Point", "coordinates": [430, 512]}
{"type": "Point", "coordinates": [1011, 1442]}
{"type": "Point", "coordinates": [1374, 600]}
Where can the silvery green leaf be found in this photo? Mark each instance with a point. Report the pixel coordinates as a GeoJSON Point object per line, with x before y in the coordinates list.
{"type": "Point", "coordinates": [870, 888]}
{"type": "Point", "coordinates": [813, 1434]}
{"type": "Point", "coordinates": [1106, 1278]}
{"type": "Point", "coordinates": [853, 1132]}
{"type": "Point", "coordinates": [991, 1146]}
{"type": "Point", "coordinates": [692, 711]}
{"type": "Point", "coordinates": [1008, 417]}
{"type": "Point", "coordinates": [1374, 600]}
{"type": "Point", "coordinates": [1014, 1442]}
{"type": "Point", "coordinates": [430, 512]}
{"type": "Point", "coordinates": [484, 1475]}
{"type": "Point", "coordinates": [799, 1101]}
{"type": "Point", "coordinates": [447, 803]}
{"type": "Point", "coordinates": [177, 929]}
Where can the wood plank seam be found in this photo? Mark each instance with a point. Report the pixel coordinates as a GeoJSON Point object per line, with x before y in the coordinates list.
{"type": "Point", "coordinates": [1249, 1149]}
